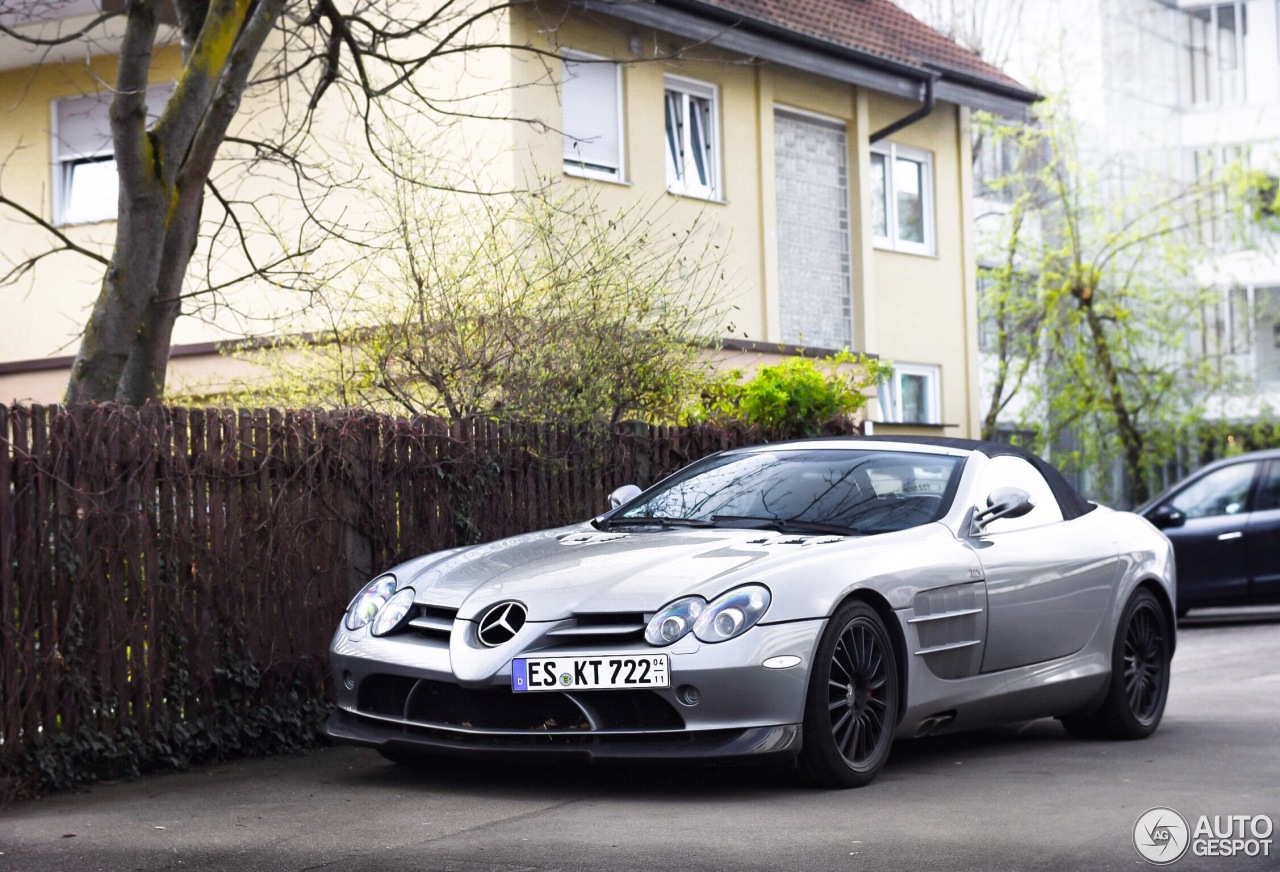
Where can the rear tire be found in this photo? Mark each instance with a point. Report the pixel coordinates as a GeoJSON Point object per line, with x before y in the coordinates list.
{"type": "Point", "coordinates": [1139, 685]}
{"type": "Point", "coordinates": [851, 709]}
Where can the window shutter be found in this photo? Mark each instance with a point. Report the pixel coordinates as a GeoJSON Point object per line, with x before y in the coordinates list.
{"type": "Point", "coordinates": [590, 95]}
{"type": "Point", "coordinates": [84, 130]}
{"type": "Point", "coordinates": [84, 125]}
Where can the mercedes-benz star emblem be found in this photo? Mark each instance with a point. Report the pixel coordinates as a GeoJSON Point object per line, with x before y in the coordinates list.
{"type": "Point", "coordinates": [501, 623]}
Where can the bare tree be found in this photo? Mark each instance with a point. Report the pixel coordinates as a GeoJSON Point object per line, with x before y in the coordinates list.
{"type": "Point", "coordinates": [531, 306]}
{"type": "Point", "coordinates": [368, 57]}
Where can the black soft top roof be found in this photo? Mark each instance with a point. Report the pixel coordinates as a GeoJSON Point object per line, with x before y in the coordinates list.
{"type": "Point", "coordinates": [1069, 501]}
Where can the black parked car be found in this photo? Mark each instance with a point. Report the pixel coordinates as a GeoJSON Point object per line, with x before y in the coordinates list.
{"type": "Point", "coordinates": [1224, 522]}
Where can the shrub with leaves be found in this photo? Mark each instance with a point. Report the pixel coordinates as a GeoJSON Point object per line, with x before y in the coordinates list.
{"type": "Point", "coordinates": [800, 396]}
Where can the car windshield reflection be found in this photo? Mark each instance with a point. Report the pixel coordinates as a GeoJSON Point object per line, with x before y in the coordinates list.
{"type": "Point", "coordinates": [804, 491]}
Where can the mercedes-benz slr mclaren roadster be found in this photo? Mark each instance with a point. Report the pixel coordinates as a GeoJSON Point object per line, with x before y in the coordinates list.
{"type": "Point", "coordinates": [810, 600]}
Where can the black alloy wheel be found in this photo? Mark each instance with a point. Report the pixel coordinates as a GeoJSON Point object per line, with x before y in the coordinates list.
{"type": "Point", "coordinates": [1140, 672]}
{"type": "Point", "coordinates": [1146, 662]}
{"type": "Point", "coordinates": [852, 705]}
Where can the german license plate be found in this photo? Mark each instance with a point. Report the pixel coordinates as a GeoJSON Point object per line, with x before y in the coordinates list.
{"type": "Point", "coordinates": [594, 672]}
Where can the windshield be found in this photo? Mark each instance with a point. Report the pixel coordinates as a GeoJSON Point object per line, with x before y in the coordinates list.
{"type": "Point", "coordinates": [819, 490]}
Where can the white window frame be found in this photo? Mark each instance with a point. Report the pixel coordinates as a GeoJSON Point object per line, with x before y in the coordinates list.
{"type": "Point", "coordinates": [574, 165]}
{"type": "Point", "coordinates": [679, 166]}
{"type": "Point", "coordinates": [66, 159]}
{"type": "Point", "coordinates": [1238, 334]}
{"type": "Point", "coordinates": [890, 241]}
{"type": "Point", "coordinates": [1222, 86]}
{"type": "Point", "coordinates": [890, 393]}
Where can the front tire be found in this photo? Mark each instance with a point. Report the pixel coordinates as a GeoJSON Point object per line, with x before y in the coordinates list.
{"type": "Point", "coordinates": [1140, 672]}
{"type": "Point", "coordinates": [852, 705]}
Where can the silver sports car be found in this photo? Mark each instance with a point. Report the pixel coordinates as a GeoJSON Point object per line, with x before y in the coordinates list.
{"type": "Point", "coordinates": [811, 600]}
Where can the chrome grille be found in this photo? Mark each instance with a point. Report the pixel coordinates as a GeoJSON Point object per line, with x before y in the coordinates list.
{"type": "Point", "coordinates": [583, 630]}
{"type": "Point", "coordinates": [592, 629]}
{"type": "Point", "coordinates": [433, 621]}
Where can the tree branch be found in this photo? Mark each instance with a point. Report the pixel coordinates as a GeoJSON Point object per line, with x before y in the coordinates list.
{"type": "Point", "coordinates": [52, 230]}
{"type": "Point", "coordinates": [61, 39]}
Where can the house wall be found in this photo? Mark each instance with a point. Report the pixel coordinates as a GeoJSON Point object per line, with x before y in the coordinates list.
{"type": "Point", "coordinates": [43, 316]}
{"type": "Point", "coordinates": [906, 307]}
{"type": "Point", "coordinates": [926, 305]}
{"type": "Point", "coordinates": [44, 312]}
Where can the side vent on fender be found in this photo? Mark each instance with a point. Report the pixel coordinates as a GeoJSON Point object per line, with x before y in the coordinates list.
{"type": "Point", "coordinates": [951, 626]}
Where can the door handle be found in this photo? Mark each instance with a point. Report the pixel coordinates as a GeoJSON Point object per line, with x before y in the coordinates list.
{"type": "Point", "coordinates": [1226, 537]}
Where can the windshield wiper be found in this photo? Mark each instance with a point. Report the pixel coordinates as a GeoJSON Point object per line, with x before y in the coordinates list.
{"type": "Point", "coordinates": [657, 521]}
{"type": "Point", "coordinates": [783, 525]}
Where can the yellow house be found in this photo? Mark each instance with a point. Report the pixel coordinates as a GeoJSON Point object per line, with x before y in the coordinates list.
{"type": "Point", "coordinates": [828, 140]}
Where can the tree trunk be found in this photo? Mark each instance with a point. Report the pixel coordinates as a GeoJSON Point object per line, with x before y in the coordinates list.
{"type": "Point", "coordinates": [148, 365]}
{"type": "Point", "coordinates": [125, 350]}
{"type": "Point", "coordinates": [129, 283]}
{"type": "Point", "coordinates": [1131, 440]}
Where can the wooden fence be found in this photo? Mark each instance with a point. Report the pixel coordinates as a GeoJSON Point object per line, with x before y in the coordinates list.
{"type": "Point", "coordinates": [163, 567]}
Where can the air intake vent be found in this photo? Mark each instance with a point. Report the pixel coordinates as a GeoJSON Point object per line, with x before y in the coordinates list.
{"type": "Point", "coordinates": [433, 621]}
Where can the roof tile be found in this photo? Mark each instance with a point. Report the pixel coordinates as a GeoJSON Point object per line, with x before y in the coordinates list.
{"type": "Point", "coordinates": [877, 27]}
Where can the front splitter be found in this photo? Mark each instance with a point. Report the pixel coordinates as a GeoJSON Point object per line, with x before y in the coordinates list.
{"type": "Point", "coordinates": [746, 744]}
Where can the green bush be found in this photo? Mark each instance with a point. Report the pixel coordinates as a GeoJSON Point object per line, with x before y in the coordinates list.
{"type": "Point", "coordinates": [800, 396]}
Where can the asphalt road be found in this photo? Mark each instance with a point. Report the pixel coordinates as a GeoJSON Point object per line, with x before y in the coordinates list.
{"type": "Point", "coordinates": [1025, 798]}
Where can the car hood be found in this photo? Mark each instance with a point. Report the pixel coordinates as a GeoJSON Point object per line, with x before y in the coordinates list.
{"type": "Point", "coordinates": [557, 573]}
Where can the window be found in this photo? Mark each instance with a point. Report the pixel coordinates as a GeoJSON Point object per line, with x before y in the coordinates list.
{"type": "Point", "coordinates": [902, 198]}
{"type": "Point", "coordinates": [85, 185]}
{"type": "Point", "coordinates": [1215, 54]}
{"type": "Point", "coordinates": [1008, 308]}
{"type": "Point", "coordinates": [1243, 329]}
{"type": "Point", "coordinates": [1222, 492]}
{"type": "Point", "coordinates": [692, 139]}
{"type": "Point", "coordinates": [1268, 497]}
{"type": "Point", "coordinates": [868, 491]}
{"type": "Point", "coordinates": [1210, 167]}
{"type": "Point", "coordinates": [988, 311]}
{"type": "Point", "coordinates": [910, 395]}
{"type": "Point", "coordinates": [591, 92]}
{"type": "Point", "coordinates": [996, 162]}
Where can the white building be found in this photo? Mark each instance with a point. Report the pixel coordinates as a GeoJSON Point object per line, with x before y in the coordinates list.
{"type": "Point", "coordinates": [1173, 87]}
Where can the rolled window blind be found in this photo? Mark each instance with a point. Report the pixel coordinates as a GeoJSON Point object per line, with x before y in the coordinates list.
{"type": "Point", "coordinates": [589, 91]}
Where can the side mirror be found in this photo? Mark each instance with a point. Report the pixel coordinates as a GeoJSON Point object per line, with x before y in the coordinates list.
{"type": "Point", "coordinates": [1004, 502]}
{"type": "Point", "coordinates": [623, 495]}
{"type": "Point", "coordinates": [1167, 516]}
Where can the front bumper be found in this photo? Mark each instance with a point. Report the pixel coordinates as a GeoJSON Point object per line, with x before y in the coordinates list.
{"type": "Point", "coordinates": [404, 692]}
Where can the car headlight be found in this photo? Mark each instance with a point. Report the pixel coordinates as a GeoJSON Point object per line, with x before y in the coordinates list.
{"type": "Point", "coordinates": [727, 616]}
{"type": "Point", "coordinates": [732, 614]}
{"type": "Point", "coordinates": [674, 621]}
{"type": "Point", "coordinates": [369, 601]}
{"type": "Point", "coordinates": [393, 613]}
